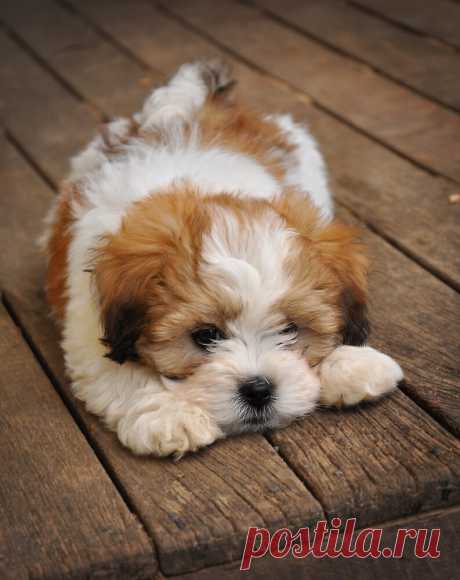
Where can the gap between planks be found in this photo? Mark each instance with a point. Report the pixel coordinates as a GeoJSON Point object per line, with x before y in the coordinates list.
{"type": "Point", "coordinates": [403, 25]}
{"type": "Point", "coordinates": [92, 442]}
{"type": "Point", "coordinates": [163, 7]}
{"type": "Point", "coordinates": [347, 54]}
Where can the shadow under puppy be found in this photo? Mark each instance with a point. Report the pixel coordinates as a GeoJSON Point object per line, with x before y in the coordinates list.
{"type": "Point", "coordinates": [202, 284]}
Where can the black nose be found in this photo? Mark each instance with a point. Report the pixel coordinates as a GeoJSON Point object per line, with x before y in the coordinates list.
{"type": "Point", "coordinates": [257, 391]}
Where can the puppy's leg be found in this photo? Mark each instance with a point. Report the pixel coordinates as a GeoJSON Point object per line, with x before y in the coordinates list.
{"type": "Point", "coordinates": [163, 425]}
{"type": "Point", "coordinates": [147, 417]}
{"type": "Point", "coordinates": [184, 94]}
{"type": "Point", "coordinates": [351, 374]}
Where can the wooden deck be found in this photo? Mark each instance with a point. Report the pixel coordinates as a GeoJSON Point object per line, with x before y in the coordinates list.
{"type": "Point", "coordinates": [379, 83]}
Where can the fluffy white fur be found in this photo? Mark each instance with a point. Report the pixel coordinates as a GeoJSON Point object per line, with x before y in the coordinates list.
{"type": "Point", "coordinates": [152, 414]}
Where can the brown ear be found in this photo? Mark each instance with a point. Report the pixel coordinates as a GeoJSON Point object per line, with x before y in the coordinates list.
{"type": "Point", "coordinates": [343, 251]}
{"type": "Point", "coordinates": [356, 327]}
{"type": "Point", "coordinates": [124, 279]}
{"type": "Point", "coordinates": [123, 325]}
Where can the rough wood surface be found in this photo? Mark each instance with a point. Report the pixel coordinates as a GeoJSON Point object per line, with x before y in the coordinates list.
{"type": "Point", "coordinates": [440, 19]}
{"type": "Point", "coordinates": [39, 113]}
{"type": "Point", "coordinates": [406, 568]}
{"type": "Point", "coordinates": [428, 67]}
{"type": "Point", "coordinates": [66, 43]}
{"type": "Point", "coordinates": [392, 114]}
{"type": "Point", "coordinates": [60, 514]}
{"type": "Point", "coordinates": [384, 190]}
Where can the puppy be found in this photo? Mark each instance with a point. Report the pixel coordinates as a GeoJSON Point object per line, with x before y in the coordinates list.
{"type": "Point", "coordinates": [201, 282]}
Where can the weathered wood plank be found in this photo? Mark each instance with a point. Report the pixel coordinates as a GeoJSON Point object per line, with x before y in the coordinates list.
{"type": "Point", "coordinates": [198, 510]}
{"type": "Point", "coordinates": [394, 184]}
{"type": "Point", "coordinates": [403, 120]}
{"type": "Point", "coordinates": [60, 512]}
{"type": "Point", "coordinates": [66, 43]}
{"type": "Point", "coordinates": [440, 19]}
{"type": "Point", "coordinates": [428, 67]}
{"type": "Point", "coordinates": [49, 122]}
{"type": "Point", "coordinates": [400, 201]}
{"type": "Point", "coordinates": [409, 567]}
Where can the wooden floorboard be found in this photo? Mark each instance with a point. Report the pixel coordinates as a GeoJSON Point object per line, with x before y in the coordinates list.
{"type": "Point", "coordinates": [59, 512]}
{"type": "Point", "coordinates": [66, 43]}
{"type": "Point", "coordinates": [40, 113]}
{"type": "Point", "coordinates": [378, 462]}
{"type": "Point", "coordinates": [405, 568]}
{"type": "Point", "coordinates": [439, 19]}
{"type": "Point", "coordinates": [427, 67]}
{"type": "Point", "coordinates": [391, 113]}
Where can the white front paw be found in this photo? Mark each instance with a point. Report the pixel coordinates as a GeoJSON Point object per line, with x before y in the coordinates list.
{"type": "Point", "coordinates": [168, 430]}
{"type": "Point", "coordinates": [352, 374]}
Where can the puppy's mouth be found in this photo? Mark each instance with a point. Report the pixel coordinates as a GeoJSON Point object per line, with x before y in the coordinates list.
{"type": "Point", "coordinates": [256, 417]}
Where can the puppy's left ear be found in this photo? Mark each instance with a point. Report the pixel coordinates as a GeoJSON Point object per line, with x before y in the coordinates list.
{"type": "Point", "coordinates": [344, 252]}
{"type": "Point", "coordinates": [356, 328]}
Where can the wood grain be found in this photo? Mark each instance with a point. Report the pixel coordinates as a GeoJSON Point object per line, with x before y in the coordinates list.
{"type": "Point", "coordinates": [66, 43]}
{"type": "Point", "coordinates": [438, 19]}
{"type": "Point", "coordinates": [198, 510]}
{"type": "Point", "coordinates": [406, 568]}
{"type": "Point", "coordinates": [43, 117]}
{"type": "Point", "coordinates": [390, 113]}
{"type": "Point", "coordinates": [428, 67]}
{"type": "Point", "coordinates": [60, 512]}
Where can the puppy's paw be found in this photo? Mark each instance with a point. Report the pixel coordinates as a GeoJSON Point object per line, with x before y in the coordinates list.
{"type": "Point", "coordinates": [353, 374]}
{"type": "Point", "coordinates": [168, 430]}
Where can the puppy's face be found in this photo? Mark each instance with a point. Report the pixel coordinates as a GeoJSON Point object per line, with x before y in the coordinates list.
{"type": "Point", "coordinates": [233, 302]}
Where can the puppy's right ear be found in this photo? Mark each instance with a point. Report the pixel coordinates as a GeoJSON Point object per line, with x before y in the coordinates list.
{"type": "Point", "coordinates": [123, 324]}
{"type": "Point", "coordinates": [123, 281]}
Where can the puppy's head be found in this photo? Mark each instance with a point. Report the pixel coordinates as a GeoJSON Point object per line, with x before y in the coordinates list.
{"type": "Point", "coordinates": [232, 301]}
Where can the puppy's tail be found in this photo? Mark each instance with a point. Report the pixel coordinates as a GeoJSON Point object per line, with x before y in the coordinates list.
{"type": "Point", "coordinates": [185, 93]}
{"type": "Point", "coordinates": [217, 74]}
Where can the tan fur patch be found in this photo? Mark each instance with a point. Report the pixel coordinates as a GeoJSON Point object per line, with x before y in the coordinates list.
{"type": "Point", "coordinates": [238, 129]}
{"type": "Point", "coordinates": [57, 251]}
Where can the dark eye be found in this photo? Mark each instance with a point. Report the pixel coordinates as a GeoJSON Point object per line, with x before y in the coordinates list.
{"type": "Point", "coordinates": [290, 328]}
{"type": "Point", "coordinates": [206, 336]}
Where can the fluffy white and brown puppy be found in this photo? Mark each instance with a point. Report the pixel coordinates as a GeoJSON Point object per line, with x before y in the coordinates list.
{"type": "Point", "coordinates": [202, 285]}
